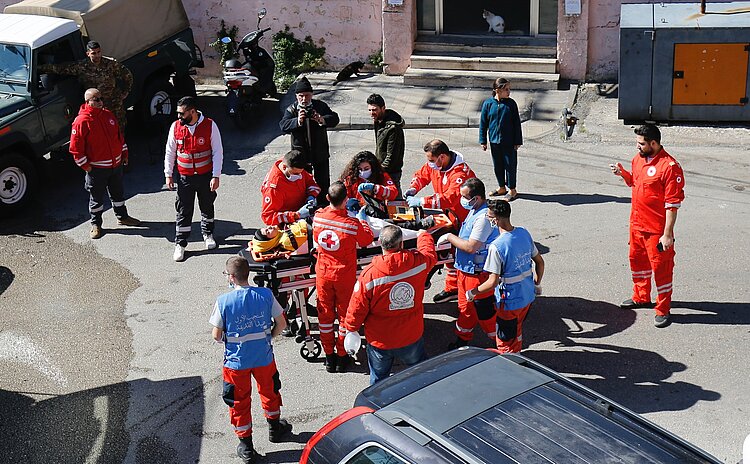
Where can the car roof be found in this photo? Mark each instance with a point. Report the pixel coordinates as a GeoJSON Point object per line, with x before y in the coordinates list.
{"type": "Point", "coordinates": [32, 30]}
{"type": "Point", "coordinates": [505, 409]}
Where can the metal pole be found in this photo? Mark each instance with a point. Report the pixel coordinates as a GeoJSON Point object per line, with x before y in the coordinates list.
{"type": "Point", "coordinates": [703, 6]}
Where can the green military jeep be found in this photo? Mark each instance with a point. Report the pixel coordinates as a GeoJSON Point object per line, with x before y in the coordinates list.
{"type": "Point", "coordinates": [152, 39]}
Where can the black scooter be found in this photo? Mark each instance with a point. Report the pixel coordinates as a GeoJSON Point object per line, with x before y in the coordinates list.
{"type": "Point", "coordinates": [247, 83]}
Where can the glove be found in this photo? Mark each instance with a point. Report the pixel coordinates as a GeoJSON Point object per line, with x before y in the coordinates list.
{"type": "Point", "coordinates": [414, 201]}
{"type": "Point", "coordinates": [537, 289]}
{"type": "Point", "coordinates": [361, 215]}
{"type": "Point", "coordinates": [304, 212]}
{"type": "Point", "coordinates": [470, 295]}
{"type": "Point", "coordinates": [441, 240]}
{"type": "Point", "coordinates": [352, 204]}
{"type": "Point", "coordinates": [410, 193]}
{"type": "Point", "coordinates": [366, 186]}
{"type": "Point", "coordinates": [311, 201]}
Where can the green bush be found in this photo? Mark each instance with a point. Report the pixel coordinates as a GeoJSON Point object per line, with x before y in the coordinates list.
{"type": "Point", "coordinates": [376, 59]}
{"type": "Point", "coordinates": [226, 51]}
{"type": "Point", "coordinates": [294, 57]}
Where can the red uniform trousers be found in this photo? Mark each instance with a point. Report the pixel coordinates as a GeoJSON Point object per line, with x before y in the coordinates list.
{"type": "Point", "coordinates": [237, 389]}
{"type": "Point", "coordinates": [509, 329]}
{"type": "Point", "coordinates": [467, 311]}
{"type": "Point", "coordinates": [333, 300]}
{"type": "Point", "coordinates": [451, 278]}
{"type": "Point", "coordinates": [645, 260]}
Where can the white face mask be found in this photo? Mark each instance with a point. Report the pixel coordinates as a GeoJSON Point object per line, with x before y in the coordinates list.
{"type": "Point", "coordinates": [365, 174]}
{"type": "Point", "coordinates": [293, 177]}
{"type": "Point", "coordinates": [434, 165]}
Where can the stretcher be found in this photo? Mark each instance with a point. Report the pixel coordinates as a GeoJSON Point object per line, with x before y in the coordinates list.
{"type": "Point", "coordinates": [290, 277]}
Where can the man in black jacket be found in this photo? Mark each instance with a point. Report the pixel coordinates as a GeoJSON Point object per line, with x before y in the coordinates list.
{"type": "Point", "coordinates": [389, 137]}
{"type": "Point", "coordinates": [307, 120]}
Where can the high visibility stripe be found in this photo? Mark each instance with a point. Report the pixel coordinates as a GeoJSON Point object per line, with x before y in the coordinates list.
{"type": "Point", "coordinates": [388, 279]}
{"type": "Point", "coordinates": [642, 272]}
{"type": "Point", "coordinates": [672, 205]}
{"type": "Point", "coordinates": [97, 209]}
{"type": "Point", "coordinates": [491, 335]}
{"type": "Point", "coordinates": [515, 279]}
{"type": "Point", "coordinates": [101, 164]}
{"type": "Point", "coordinates": [208, 219]}
{"type": "Point", "coordinates": [325, 331]}
{"type": "Point", "coordinates": [461, 329]}
{"type": "Point", "coordinates": [82, 161]}
{"type": "Point", "coordinates": [118, 203]}
{"type": "Point", "coordinates": [669, 284]}
{"type": "Point", "coordinates": [335, 223]}
{"type": "Point", "coordinates": [273, 413]}
{"type": "Point", "coordinates": [242, 428]}
{"type": "Point", "coordinates": [248, 337]}
{"type": "Point", "coordinates": [325, 325]}
{"type": "Point", "coordinates": [191, 164]}
{"type": "Point", "coordinates": [184, 229]}
{"type": "Point", "coordinates": [312, 188]}
{"type": "Point", "coordinates": [339, 229]}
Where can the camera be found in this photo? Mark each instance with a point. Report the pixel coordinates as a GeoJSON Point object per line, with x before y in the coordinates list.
{"type": "Point", "coordinates": [308, 109]}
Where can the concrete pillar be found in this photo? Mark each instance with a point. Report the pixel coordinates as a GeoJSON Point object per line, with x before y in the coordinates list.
{"type": "Point", "coordinates": [572, 42]}
{"type": "Point", "coordinates": [399, 33]}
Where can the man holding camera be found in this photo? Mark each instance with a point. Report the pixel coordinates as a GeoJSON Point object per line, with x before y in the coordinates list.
{"type": "Point", "coordinates": [307, 120]}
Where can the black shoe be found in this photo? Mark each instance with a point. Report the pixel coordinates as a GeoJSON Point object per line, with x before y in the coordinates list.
{"type": "Point", "coordinates": [246, 452]}
{"type": "Point", "coordinates": [662, 321]}
{"type": "Point", "coordinates": [277, 429]}
{"type": "Point", "coordinates": [331, 360]}
{"type": "Point", "coordinates": [458, 343]}
{"type": "Point", "coordinates": [630, 304]}
{"type": "Point", "coordinates": [342, 364]}
{"type": "Point", "coordinates": [291, 329]}
{"type": "Point", "coordinates": [444, 297]}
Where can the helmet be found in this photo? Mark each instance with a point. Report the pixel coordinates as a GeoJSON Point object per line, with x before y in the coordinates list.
{"type": "Point", "coordinates": [232, 64]}
{"type": "Point", "coordinates": [352, 343]}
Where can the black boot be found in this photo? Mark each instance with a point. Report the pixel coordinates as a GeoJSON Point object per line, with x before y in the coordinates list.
{"type": "Point", "coordinates": [342, 363]}
{"type": "Point", "coordinates": [331, 360]}
{"type": "Point", "coordinates": [246, 451]}
{"type": "Point", "coordinates": [458, 343]}
{"type": "Point", "coordinates": [277, 429]}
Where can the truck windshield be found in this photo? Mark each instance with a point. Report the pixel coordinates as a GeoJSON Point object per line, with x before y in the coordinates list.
{"type": "Point", "coordinates": [14, 63]}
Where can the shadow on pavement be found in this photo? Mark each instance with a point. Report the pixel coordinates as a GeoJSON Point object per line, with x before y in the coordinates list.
{"type": "Point", "coordinates": [90, 425]}
{"type": "Point", "coordinates": [574, 199]}
{"type": "Point", "coordinates": [714, 312]}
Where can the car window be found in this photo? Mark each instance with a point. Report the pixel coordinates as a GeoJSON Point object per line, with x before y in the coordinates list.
{"type": "Point", "coordinates": [56, 52]}
{"type": "Point", "coordinates": [374, 454]}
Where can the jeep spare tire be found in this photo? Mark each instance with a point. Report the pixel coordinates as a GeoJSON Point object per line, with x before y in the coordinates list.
{"type": "Point", "coordinates": [18, 180]}
{"type": "Point", "coordinates": [157, 103]}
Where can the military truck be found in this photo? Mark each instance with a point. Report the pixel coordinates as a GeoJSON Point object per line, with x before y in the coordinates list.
{"type": "Point", "coordinates": [152, 39]}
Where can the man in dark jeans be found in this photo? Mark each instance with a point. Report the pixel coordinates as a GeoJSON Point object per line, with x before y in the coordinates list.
{"type": "Point", "coordinates": [98, 148]}
{"type": "Point", "coordinates": [307, 120]}
{"type": "Point", "coordinates": [389, 138]}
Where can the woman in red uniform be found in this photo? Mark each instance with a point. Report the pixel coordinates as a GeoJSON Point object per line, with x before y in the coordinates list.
{"type": "Point", "coordinates": [365, 174]}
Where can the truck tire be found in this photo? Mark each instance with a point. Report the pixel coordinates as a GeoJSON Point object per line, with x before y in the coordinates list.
{"type": "Point", "coordinates": [158, 102]}
{"type": "Point", "coordinates": [184, 86]}
{"type": "Point", "coordinates": [18, 179]}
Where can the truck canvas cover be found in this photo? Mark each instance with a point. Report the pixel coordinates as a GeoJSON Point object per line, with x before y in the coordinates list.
{"type": "Point", "coordinates": [122, 27]}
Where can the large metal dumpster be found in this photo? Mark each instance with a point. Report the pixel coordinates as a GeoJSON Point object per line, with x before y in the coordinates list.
{"type": "Point", "coordinates": [677, 64]}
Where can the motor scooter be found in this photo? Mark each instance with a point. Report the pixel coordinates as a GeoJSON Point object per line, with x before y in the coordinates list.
{"type": "Point", "coordinates": [249, 81]}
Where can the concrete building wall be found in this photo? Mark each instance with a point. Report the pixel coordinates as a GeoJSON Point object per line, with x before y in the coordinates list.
{"type": "Point", "coordinates": [603, 48]}
{"type": "Point", "coordinates": [572, 42]}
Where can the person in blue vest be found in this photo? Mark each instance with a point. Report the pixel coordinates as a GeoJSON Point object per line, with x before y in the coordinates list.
{"type": "Point", "coordinates": [471, 252]}
{"type": "Point", "coordinates": [242, 320]}
{"type": "Point", "coordinates": [516, 284]}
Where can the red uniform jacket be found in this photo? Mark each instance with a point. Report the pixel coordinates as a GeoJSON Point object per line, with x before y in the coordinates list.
{"type": "Point", "coordinates": [657, 186]}
{"type": "Point", "coordinates": [282, 197]}
{"type": "Point", "coordinates": [446, 184]}
{"type": "Point", "coordinates": [194, 153]}
{"type": "Point", "coordinates": [386, 191]}
{"type": "Point", "coordinates": [337, 236]}
{"type": "Point", "coordinates": [388, 296]}
{"type": "Point", "coordinates": [95, 140]}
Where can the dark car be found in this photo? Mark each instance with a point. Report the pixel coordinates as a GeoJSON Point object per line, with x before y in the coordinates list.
{"type": "Point", "coordinates": [477, 406]}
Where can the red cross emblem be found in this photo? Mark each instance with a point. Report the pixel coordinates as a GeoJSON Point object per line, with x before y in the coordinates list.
{"type": "Point", "coordinates": [329, 240]}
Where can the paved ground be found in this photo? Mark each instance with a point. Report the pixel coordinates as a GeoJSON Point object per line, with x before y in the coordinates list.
{"type": "Point", "coordinates": [105, 345]}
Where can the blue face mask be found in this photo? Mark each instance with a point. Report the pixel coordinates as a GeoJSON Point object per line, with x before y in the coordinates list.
{"type": "Point", "coordinates": [465, 203]}
{"type": "Point", "coordinates": [433, 165]}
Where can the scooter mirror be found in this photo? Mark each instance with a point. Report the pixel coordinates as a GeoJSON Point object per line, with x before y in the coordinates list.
{"type": "Point", "coordinates": [226, 40]}
{"type": "Point", "coordinates": [262, 13]}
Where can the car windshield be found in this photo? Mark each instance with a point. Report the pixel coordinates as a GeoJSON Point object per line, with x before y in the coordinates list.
{"type": "Point", "coordinates": [14, 63]}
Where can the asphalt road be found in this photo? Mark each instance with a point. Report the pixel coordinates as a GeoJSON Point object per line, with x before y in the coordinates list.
{"type": "Point", "coordinates": [105, 347]}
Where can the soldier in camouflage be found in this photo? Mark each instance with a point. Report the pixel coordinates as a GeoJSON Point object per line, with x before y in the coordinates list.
{"type": "Point", "coordinates": [113, 80]}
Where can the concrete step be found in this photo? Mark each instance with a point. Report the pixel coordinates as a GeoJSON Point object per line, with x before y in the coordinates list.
{"type": "Point", "coordinates": [531, 49]}
{"type": "Point", "coordinates": [485, 63]}
{"type": "Point", "coordinates": [478, 79]}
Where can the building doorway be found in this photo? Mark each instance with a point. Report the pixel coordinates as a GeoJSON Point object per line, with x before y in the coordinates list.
{"type": "Point", "coordinates": [464, 17]}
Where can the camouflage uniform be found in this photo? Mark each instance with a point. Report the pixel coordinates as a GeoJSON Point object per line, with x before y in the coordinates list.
{"type": "Point", "coordinates": [105, 77]}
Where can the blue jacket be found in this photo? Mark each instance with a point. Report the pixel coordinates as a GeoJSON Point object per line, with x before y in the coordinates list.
{"type": "Point", "coordinates": [246, 313]}
{"type": "Point", "coordinates": [502, 121]}
{"type": "Point", "coordinates": [516, 289]}
{"type": "Point", "coordinates": [472, 263]}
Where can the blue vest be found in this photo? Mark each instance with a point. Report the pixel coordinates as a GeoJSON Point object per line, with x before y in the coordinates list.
{"type": "Point", "coordinates": [246, 312]}
{"type": "Point", "coordinates": [471, 263]}
{"type": "Point", "coordinates": [516, 288]}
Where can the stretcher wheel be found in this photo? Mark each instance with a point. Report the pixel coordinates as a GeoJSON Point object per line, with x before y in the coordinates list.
{"type": "Point", "coordinates": [310, 355]}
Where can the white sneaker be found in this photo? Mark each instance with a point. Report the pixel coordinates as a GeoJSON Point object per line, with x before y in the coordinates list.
{"type": "Point", "coordinates": [179, 253]}
{"type": "Point", "coordinates": [210, 242]}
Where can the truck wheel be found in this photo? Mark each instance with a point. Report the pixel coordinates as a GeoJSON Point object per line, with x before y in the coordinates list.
{"type": "Point", "coordinates": [18, 180]}
{"type": "Point", "coordinates": [157, 102]}
{"type": "Point", "coordinates": [184, 86]}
